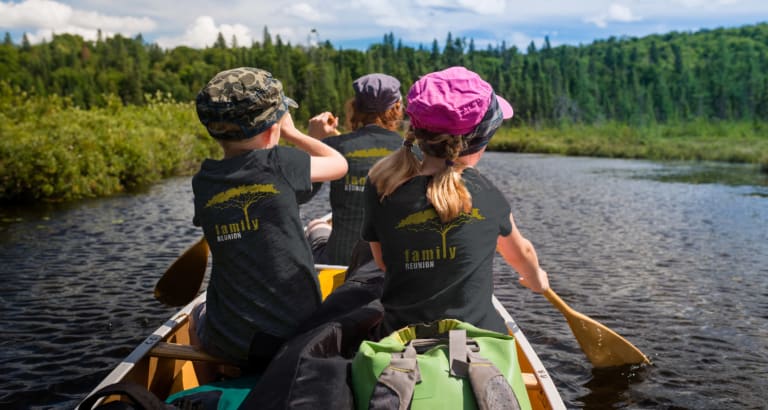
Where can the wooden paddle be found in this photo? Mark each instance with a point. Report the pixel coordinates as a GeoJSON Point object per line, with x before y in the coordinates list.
{"type": "Point", "coordinates": [182, 281]}
{"type": "Point", "coordinates": [603, 346]}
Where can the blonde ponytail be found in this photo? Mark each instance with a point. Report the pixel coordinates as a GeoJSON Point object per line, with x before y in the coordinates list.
{"type": "Point", "coordinates": [447, 192]}
{"type": "Point", "coordinates": [390, 172]}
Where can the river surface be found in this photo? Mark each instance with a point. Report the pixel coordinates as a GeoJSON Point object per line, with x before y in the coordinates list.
{"type": "Point", "coordinates": [675, 263]}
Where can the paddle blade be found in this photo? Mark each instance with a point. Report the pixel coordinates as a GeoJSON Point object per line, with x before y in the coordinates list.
{"type": "Point", "coordinates": [602, 346]}
{"type": "Point", "coordinates": [181, 283]}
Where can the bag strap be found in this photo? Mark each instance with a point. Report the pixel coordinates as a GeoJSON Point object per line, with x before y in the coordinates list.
{"type": "Point", "coordinates": [489, 386]}
{"type": "Point", "coordinates": [141, 397]}
{"type": "Point", "coordinates": [399, 377]}
{"type": "Point", "coordinates": [457, 353]}
{"type": "Point", "coordinates": [491, 389]}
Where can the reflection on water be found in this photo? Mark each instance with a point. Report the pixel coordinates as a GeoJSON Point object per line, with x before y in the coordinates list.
{"type": "Point", "coordinates": [679, 268]}
{"type": "Point", "coordinates": [710, 173]}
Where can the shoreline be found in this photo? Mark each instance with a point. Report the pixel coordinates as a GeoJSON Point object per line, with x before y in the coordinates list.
{"type": "Point", "coordinates": [72, 154]}
{"type": "Point", "coordinates": [733, 142]}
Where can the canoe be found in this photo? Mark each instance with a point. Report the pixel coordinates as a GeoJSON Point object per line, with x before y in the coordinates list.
{"type": "Point", "coordinates": [163, 361]}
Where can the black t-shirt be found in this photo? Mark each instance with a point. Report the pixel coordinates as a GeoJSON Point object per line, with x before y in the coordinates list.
{"type": "Point", "coordinates": [262, 277]}
{"type": "Point", "coordinates": [435, 270]}
{"type": "Point", "coordinates": [362, 148]}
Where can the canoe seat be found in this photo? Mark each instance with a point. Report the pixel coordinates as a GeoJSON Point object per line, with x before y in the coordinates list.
{"type": "Point", "coordinates": [184, 352]}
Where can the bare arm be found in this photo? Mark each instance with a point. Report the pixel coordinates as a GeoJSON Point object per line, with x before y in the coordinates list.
{"type": "Point", "coordinates": [520, 254]}
{"type": "Point", "coordinates": [376, 251]}
{"type": "Point", "coordinates": [323, 125]}
{"type": "Point", "coordinates": [326, 163]}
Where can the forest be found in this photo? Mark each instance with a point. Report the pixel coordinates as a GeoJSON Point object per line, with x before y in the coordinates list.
{"type": "Point", "coordinates": [710, 84]}
{"type": "Point", "coordinates": [715, 74]}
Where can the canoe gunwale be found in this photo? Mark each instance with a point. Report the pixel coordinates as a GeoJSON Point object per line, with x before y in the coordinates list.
{"type": "Point", "coordinates": [143, 350]}
{"type": "Point", "coordinates": [542, 375]}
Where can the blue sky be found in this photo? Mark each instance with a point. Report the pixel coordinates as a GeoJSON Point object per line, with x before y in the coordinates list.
{"type": "Point", "coordinates": [358, 23]}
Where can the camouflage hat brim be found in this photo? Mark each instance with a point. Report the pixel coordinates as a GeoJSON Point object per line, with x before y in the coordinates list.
{"type": "Point", "coordinates": [249, 99]}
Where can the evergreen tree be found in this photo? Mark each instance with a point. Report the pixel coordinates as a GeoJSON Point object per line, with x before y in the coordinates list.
{"type": "Point", "coordinates": [220, 42]}
{"type": "Point", "coordinates": [721, 74]}
{"type": "Point", "coordinates": [25, 45]}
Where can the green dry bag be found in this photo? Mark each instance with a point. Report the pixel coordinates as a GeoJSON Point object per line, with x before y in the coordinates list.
{"type": "Point", "coordinates": [447, 364]}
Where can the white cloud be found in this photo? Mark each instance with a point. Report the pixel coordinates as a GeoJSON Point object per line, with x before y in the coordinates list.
{"type": "Point", "coordinates": [204, 32]}
{"type": "Point", "coordinates": [34, 13]}
{"type": "Point", "coordinates": [616, 12]}
{"type": "Point", "coordinates": [390, 15]}
{"type": "Point", "coordinates": [522, 41]}
{"type": "Point", "coordinates": [90, 19]}
{"type": "Point", "coordinates": [360, 21]}
{"type": "Point", "coordinates": [474, 6]}
{"type": "Point", "coordinates": [307, 12]}
{"type": "Point", "coordinates": [702, 3]}
{"type": "Point", "coordinates": [43, 18]}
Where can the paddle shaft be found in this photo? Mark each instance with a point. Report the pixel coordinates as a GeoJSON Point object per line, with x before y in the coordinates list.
{"type": "Point", "coordinates": [553, 298]}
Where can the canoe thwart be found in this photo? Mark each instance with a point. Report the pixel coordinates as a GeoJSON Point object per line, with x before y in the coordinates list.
{"type": "Point", "coordinates": [530, 380]}
{"type": "Point", "coordinates": [184, 352]}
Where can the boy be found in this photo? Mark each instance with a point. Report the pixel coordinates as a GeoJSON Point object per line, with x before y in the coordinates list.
{"type": "Point", "coordinates": [262, 283]}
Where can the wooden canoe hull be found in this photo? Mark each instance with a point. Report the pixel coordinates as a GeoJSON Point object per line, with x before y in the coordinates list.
{"type": "Point", "coordinates": [163, 361]}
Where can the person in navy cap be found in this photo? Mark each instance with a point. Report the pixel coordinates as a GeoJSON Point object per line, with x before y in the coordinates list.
{"type": "Point", "coordinates": [374, 115]}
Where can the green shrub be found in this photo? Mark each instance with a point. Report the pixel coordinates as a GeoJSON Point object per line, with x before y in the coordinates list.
{"type": "Point", "coordinates": [51, 150]}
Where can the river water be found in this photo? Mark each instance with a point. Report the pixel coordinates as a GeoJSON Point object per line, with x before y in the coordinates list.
{"type": "Point", "coordinates": [675, 262]}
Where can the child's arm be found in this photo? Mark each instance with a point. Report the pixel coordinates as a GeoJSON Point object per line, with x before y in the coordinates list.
{"type": "Point", "coordinates": [327, 164]}
{"type": "Point", "coordinates": [520, 254]}
{"type": "Point", "coordinates": [323, 125]}
{"type": "Point", "coordinates": [377, 255]}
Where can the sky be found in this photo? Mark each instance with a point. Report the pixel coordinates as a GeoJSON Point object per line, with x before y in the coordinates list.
{"type": "Point", "coordinates": [355, 24]}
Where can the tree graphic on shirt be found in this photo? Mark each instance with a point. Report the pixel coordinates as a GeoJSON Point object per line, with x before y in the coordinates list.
{"type": "Point", "coordinates": [369, 153]}
{"type": "Point", "coordinates": [428, 220]}
{"type": "Point", "coordinates": [242, 197]}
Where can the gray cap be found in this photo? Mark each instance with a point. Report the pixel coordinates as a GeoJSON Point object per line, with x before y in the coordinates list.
{"type": "Point", "coordinates": [249, 98]}
{"type": "Point", "coordinates": [376, 92]}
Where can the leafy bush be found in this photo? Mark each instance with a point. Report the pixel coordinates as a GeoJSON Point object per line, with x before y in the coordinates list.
{"type": "Point", "coordinates": [52, 150]}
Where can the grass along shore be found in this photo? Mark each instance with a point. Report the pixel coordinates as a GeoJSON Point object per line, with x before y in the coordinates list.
{"type": "Point", "coordinates": [736, 142]}
{"type": "Point", "coordinates": [52, 151]}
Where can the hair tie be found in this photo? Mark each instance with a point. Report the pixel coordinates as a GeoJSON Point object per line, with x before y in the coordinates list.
{"type": "Point", "coordinates": [408, 144]}
{"type": "Point", "coordinates": [449, 163]}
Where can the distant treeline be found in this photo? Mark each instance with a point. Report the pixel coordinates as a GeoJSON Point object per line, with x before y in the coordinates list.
{"type": "Point", "coordinates": [85, 119]}
{"type": "Point", "coordinates": [719, 74]}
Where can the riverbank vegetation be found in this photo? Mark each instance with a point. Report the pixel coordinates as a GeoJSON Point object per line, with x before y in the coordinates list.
{"type": "Point", "coordinates": [726, 141]}
{"type": "Point", "coordinates": [52, 150]}
{"type": "Point", "coordinates": [91, 118]}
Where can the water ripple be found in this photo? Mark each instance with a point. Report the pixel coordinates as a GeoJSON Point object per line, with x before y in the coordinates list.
{"type": "Point", "coordinates": [680, 270]}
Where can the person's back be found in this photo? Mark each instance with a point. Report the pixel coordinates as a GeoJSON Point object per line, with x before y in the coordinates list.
{"type": "Point", "coordinates": [262, 276]}
{"type": "Point", "coordinates": [374, 115]}
{"type": "Point", "coordinates": [262, 283]}
{"type": "Point", "coordinates": [437, 270]}
{"type": "Point", "coordinates": [434, 224]}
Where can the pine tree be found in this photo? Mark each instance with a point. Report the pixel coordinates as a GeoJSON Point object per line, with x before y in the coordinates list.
{"type": "Point", "coordinates": [220, 42]}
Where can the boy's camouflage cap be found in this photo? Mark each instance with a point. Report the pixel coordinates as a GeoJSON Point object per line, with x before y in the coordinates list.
{"type": "Point", "coordinates": [249, 98]}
